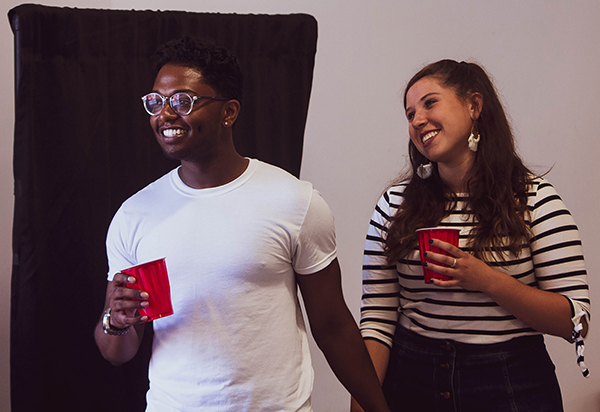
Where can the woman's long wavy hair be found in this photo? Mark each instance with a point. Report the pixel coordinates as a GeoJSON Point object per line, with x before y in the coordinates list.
{"type": "Point", "coordinates": [497, 182]}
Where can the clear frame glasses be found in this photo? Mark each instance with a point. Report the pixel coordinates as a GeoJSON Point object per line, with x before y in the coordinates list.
{"type": "Point", "coordinates": [181, 103]}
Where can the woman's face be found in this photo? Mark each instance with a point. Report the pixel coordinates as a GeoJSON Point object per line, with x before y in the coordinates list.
{"type": "Point", "coordinates": [439, 123]}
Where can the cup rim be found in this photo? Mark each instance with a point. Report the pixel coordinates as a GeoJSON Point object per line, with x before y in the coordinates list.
{"type": "Point", "coordinates": [438, 228]}
{"type": "Point", "coordinates": [146, 263]}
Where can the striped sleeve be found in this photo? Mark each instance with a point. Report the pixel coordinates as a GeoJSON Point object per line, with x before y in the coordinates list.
{"type": "Point", "coordinates": [380, 299]}
{"type": "Point", "coordinates": [556, 249]}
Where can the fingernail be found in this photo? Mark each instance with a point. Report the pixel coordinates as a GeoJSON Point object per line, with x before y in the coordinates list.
{"type": "Point", "coordinates": [425, 264]}
{"type": "Point", "coordinates": [131, 279]}
{"type": "Point", "coordinates": [430, 280]}
{"type": "Point", "coordinates": [144, 295]}
{"type": "Point", "coordinates": [145, 304]}
{"type": "Point", "coordinates": [430, 241]}
{"type": "Point", "coordinates": [424, 254]}
{"type": "Point", "coordinates": [144, 319]}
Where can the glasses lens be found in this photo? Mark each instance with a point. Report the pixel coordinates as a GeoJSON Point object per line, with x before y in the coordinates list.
{"type": "Point", "coordinates": [182, 103]}
{"type": "Point", "coordinates": [153, 103]}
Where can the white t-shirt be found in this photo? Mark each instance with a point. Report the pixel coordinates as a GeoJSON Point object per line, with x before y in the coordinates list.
{"type": "Point", "coordinates": [237, 340]}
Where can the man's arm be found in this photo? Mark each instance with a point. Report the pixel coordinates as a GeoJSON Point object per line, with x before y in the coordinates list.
{"type": "Point", "coordinates": [338, 337]}
{"type": "Point", "coordinates": [120, 349]}
{"type": "Point", "coordinates": [380, 356]}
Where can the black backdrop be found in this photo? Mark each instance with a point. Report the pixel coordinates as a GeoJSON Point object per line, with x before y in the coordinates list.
{"type": "Point", "coordinates": [83, 145]}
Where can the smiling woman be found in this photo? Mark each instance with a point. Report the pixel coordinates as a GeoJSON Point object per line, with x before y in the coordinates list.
{"type": "Point", "coordinates": [473, 342]}
{"type": "Point", "coordinates": [439, 124]}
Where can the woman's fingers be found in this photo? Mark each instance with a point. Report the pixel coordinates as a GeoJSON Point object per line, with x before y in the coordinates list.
{"type": "Point", "coordinates": [440, 258]}
{"type": "Point", "coordinates": [445, 246]}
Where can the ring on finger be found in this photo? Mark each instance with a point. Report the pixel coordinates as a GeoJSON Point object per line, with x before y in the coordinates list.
{"type": "Point", "coordinates": [453, 263]}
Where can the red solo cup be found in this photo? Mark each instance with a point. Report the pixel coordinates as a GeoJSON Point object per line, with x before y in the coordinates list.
{"type": "Point", "coordinates": [447, 234]}
{"type": "Point", "coordinates": [152, 277]}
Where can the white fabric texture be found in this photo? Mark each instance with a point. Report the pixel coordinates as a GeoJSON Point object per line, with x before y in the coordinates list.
{"type": "Point", "coordinates": [237, 339]}
{"type": "Point", "coordinates": [397, 293]}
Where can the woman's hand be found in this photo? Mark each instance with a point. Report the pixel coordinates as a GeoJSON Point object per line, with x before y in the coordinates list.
{"type": "Point", "coordinates": [467, 271]}
{"type": "Point", "coordinates": [124, 302]}
{"type": "Point", "coordinates": [545, 311]}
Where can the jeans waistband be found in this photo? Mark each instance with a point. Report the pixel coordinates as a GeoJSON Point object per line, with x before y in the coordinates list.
{"type": "Point", "coordinates": [404, 336]}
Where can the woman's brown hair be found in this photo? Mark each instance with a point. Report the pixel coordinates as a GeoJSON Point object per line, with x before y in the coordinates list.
{"type": "Point", "coordinates": [497, 182]}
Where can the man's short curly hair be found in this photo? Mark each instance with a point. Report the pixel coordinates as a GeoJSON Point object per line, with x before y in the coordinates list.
{"type": "Point", "coordinates": [219, 68]}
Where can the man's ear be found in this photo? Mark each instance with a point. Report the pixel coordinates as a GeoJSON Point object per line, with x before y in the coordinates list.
{"type": "Point", "coordinates": [231, 110]}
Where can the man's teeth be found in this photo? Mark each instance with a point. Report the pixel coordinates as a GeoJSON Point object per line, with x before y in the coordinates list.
{"type": "Point", "coordinates": [430, 135]}
{"type": "Point", "coordinates": [173, 132]}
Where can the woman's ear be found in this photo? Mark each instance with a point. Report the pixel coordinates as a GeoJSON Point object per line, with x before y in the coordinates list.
{"type": "Point", "coordinates": [475, 105]}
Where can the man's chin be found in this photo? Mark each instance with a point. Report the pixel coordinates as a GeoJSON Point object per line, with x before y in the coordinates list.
{"type": "Point", "coordinates": [171, 154]}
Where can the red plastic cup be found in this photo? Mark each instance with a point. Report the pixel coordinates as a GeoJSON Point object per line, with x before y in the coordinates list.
{"type": "Point", "coordinates": [447, 234]}
{"type": "Point", "coordinates": [152, 277]}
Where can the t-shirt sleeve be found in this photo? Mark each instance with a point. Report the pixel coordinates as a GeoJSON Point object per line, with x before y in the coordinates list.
{"type": "Point", "coordinates": [316, 246]}
{"type": "Point", "coordinates": [117, 246]}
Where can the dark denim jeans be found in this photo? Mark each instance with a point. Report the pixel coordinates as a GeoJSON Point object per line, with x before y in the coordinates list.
{"type": "Point", "coordinates": [431, 375]}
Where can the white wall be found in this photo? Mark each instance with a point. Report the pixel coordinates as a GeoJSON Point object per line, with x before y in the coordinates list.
{"type": "Point", "coordinates": [543, 56]}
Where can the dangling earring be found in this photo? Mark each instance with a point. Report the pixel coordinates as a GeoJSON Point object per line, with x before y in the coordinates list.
{"type": "Point", "coordinates": [474, 141]}
{"type": "Point", "coordinates": [424, 170]}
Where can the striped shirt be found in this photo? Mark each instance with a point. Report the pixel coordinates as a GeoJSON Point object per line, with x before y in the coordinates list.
{"type": "Point", "coordinates": [397, 293]}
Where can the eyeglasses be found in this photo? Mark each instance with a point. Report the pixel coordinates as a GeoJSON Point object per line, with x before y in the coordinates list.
{"type": "Point", "coordinates": [181, 103]}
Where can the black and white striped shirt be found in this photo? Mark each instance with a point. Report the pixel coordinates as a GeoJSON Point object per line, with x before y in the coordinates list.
{"type": "Point", "coordinates": [397, 293]}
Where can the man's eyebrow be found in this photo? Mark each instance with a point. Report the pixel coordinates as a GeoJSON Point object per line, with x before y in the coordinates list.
{"type": "Point", "coordinates": [189, 91]}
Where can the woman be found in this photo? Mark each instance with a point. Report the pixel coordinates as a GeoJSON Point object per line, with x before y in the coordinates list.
{"type": "Point", "coordinates": [472, 343]}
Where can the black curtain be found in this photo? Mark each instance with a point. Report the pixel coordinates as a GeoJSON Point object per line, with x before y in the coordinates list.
{"type": "Point", "coordinates": [83, 144]}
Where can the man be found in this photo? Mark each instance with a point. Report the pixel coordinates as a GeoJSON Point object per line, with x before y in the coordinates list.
{"type": "Point", "coordinates": [238, 235]}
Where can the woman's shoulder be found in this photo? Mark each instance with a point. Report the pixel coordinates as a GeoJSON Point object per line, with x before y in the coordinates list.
{"type": "Point", "coordinates": [395, 191]}
{"type": "Point", "coordinates": [391, 198]}
{"type": "Point", "coordinates": [397, 188]}
{"type": "Point", "coordinates": [539, 184]}
{"type": "Point", "coordinates": [541, 191]}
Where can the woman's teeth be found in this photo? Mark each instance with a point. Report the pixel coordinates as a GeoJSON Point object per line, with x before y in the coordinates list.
{"type": "Point", "coordinates": [430, 136]}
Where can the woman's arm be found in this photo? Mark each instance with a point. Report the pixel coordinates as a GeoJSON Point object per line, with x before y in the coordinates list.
{"type": "Point", "coordinates": [380, 299]}
{"type": "Point", "coordinates": [544, 311]}
{"type": "Point", "coordinates": [558, 263]}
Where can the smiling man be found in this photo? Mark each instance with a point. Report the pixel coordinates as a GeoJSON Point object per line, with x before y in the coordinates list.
{"type": "Point", "coordinates": [239, 236]}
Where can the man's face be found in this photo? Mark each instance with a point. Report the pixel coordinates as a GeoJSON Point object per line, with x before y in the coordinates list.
{"type": "Point", "coordinates": [191, 137]}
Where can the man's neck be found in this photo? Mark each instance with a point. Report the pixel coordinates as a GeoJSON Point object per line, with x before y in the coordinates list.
{"type": "Point", "coordinates": [213, 173]}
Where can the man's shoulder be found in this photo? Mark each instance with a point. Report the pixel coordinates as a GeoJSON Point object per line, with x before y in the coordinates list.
{"type": "Point", "coordinates": [271, 174]}
{"type": "Point", "coordinates": [273, 170]}
{"type": "Point", "coordinates": [152, 191]}
{"type": "Point", "coordinates": [275, 184]}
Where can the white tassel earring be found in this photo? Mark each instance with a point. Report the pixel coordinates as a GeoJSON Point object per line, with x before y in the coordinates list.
{"type": "Point", "coordinates": [474, 141]}
{"type": "Point", "coordinates": [424, 170]}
